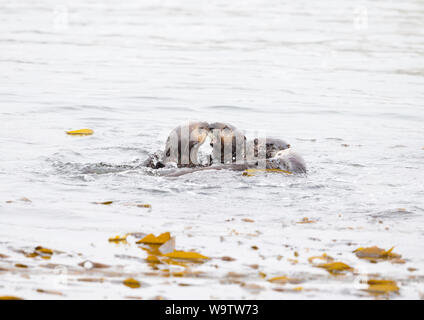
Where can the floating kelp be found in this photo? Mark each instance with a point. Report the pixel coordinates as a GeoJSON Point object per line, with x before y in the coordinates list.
{"type": "Point", "coordinates": [335, 268]}
{"type": "Point", "coordinates": [306, 220]}
{"type": "Point", "coordinates": [144, 205]}
{"type": "Point", "coordinates": [97, 280]}
{"type": "Point", "coordinates": [323, 257]}
{"type": "Point", "coordinates": [186, 255]}
{"type": "Point", "coordinates": [381, 287]}
{"type": "Point", "coordinates": [161, 250]}
{"type": "Point", "coordinates": [57, 293]}
{"type": "Point", "coordinates": [294, 289]}
{"type": "Point", "coordinates": [284, 280]}
{"type": "Point", "coordinates": [41, 252]}
{"type": "Point", "coordinates": [23, 199]}
{"type": "Point", "coordinates": [152, 259]}
{"type": "Point", "coordinates": [87, 264]}
{"type": "Point", "coordinates": [119, 239]}
{"type": "Point", "coordinates": [105, 203]}
{"type": "Point", "coordinates": [251, 172]}
{"type": "Point", "coordinates": [20, 265]}
{"type": "Point", "coordinates": [132, 283]}
{"type": "Point", "coordinates": [151, 239]}
{"type": "Point", "coordinates": [227, 258]}
{"type": "Point", "coordinates": [80, 132]}
{"type": "Point", "coordinates": [375, 254]}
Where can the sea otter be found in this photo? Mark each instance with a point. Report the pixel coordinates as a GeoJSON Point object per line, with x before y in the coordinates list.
{"type": "Point", "coordinates": [288, 160]}
{"type": "Point", "coordinates": [181, 146]}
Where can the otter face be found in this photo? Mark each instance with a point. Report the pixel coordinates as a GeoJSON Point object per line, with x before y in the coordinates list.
{"type": "Point", "coordinates": [220, 131]}
{"type": "Point", "coordinates": [289, 160]}
{"type": "Point", "coordinates": [228, 142]}
{"type": "Point", "coordinates": [273, 145]}
{"type": "Point", "coordinates": [183, 143]}
{"type": "Point", "coordinates": [199, 131]}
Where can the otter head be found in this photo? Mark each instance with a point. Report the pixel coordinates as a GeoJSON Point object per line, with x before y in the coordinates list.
{"type": "Point", "coordinates": [183, 143]}
{"type": "Point", "coordinates": [229, 143]}
{"type": "Point", "coordinates": [288, 160]}
{"type": "Point", "coordinates": [273, 145]}
{"type": "Point", "coordinates": [198, 133]}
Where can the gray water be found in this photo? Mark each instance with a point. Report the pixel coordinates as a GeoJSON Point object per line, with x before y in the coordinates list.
{"type": "Point", "coordinates": [341, 81]}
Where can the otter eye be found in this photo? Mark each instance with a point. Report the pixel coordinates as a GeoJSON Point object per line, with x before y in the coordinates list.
{"type": "Point", "coordinates": [168, 152]}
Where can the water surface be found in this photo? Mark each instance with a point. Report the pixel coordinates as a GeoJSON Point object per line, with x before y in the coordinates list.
{"type": "Point", "coordinates": [341, 81]}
